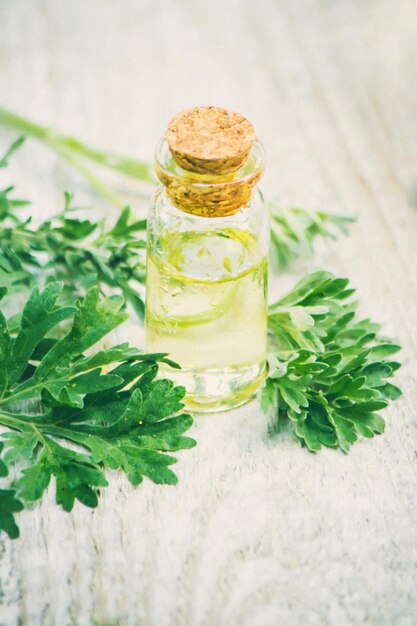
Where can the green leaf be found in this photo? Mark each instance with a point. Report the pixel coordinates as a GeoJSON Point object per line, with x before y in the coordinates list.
{"type": "Point", "coordinates": [39, 316]}
{"type": "Point", "coordinates": [79, 253]}
{"type": "Point", "coordinates": [328, 369]}
{"type": "Point", "coordinates": [162, 400]}
{"type": "Point", "coordinates": [306, 287]}
{"type": "Point", "coordinates": [345, 432]}
{"type": "Point", "coordinates": [107, 403]}
{"type": "Point", "coordinates": [78, 481]}
{"type": "Point", "coordinates": [151, 464]}
{"type": "Point", "coordinates": [5, 353]}
{"type": "Point", "coordinates": [9, 505]}
{"type": "Point", "coordinates": [3, 467]}
{"type": "Point", "coordinates": [292, 396]}
{"type": "Point", "coordinates": [390, 391]}
{"type": "Point", "coordinates": [123, 227]}
{"type": "Point", "coordinates": [383, 350]}
{"type": "Point", "coordinates": [93, 319]}
{"type": "Point", "coordinates": [309, 435]}
{"type": "Point", "coordinates": [33, 482]}
{"type": "Point", "coordinates": [4, 161]}
{"type": "Point", "coordinates": [75, 229]}
{"type": "Point", "coordinates": [294, 230]}
{"type": "Point", "coordinates": [20, 446]}
{"type": "Point", "coordinates": [268, 396]}
{"type": "Point", "coordinates": [131, 415]}
{"type": "Point", "coordinates": [72, 393]}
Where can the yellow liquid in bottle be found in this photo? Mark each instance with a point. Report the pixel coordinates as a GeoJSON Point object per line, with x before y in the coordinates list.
{"type": "Point", "coordinates": [206, 307]}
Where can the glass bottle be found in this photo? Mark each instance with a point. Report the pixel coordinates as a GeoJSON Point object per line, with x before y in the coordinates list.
{"type": "Point", "coordinates": [207, 247]}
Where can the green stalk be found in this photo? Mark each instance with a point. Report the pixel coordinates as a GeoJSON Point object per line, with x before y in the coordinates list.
{"type": "Point", "coordinates": [17, 423]}
{"type": "Point", "coordinates": [133, 168]}
{"type": "Point", "coordinates": [42, 429]}
{"type": "Point", "coordinates": [100, 187]}
{"type": "Point", "coordinates": [7, 118]}
{"type": "Point", "coordinates": [75, 151]}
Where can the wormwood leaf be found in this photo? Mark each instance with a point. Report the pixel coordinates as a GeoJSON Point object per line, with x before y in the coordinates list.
{"type": "Point", "coordinates": [9, 505]}
{"type": "Point", "coordinates": [93, 319]}
{"type": "Point", "coordinates": [5, 352]}
{"type": "Point", "coordinates": [3, 467]}
{"type": "Point", "coordinates": [39, 316]}
{"type": "Point", "coordinates": [162, 400]}
{"type": "Point", "coordinates": [20, 446]}
{"type": "Point", "coordinates": [4, 161]}
{"type": "Point", "coordinates": [294, 230]}
{"type": "Point", "coordinates": [78, 252]}
{"type": "Point", "coordinates": [91, 412]}
{"type": "Point", "coordinates": [328, 369]}
{"type": "Point", "coordinates": [33, 481]}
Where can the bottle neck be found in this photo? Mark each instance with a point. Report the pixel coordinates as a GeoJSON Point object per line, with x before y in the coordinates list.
{"type": "Point", "coordinates": [209, 195]}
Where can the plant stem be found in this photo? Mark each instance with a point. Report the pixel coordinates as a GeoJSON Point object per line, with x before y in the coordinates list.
{"type": "Point", "coordinates": [95, 182]}
{"type": "Point", "coordinates": [64, 144]}
{"type": "Point", "coordinates": [16, 423]}
{"type": "Point", "coordinates": [7, 118]}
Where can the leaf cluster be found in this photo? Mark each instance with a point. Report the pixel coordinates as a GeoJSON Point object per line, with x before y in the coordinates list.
{"type": "Point", "coordinates": [294, 231]}
{"type": "Point", "coordinates": [329, 370]}
{"type": "Point", "coordinates": [71, 412]}
{"type": "Point", "coordinates": [79, 252]}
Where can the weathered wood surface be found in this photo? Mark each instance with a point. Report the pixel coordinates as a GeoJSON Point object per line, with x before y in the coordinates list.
{"type": "Point", "coordinates": [257, 533]}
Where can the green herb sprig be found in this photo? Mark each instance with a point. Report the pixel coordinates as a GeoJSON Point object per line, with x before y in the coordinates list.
{"type": "Point", "coordinates": [329, 370]}
{"type": "Point", "coordinates": [294, 231]}
{"type": "Point", "coordinates": [79, 252]}
{"type": "Point", "coordinates": [106, 404]}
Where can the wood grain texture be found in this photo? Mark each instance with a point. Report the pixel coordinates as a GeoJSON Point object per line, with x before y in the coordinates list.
{"type": "Point", "coordinates": [258, 532]}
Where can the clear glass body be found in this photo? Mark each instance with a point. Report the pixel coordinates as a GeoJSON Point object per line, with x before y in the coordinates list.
{"type": "Point", "coordinates": [206, 298]}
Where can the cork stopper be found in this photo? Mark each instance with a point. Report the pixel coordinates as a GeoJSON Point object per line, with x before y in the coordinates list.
{"type": "Point", "coordinates": [210, 139]}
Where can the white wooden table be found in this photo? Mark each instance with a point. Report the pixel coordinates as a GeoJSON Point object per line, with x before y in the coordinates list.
{"type": "Point", "coordinates": [257, 533]}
